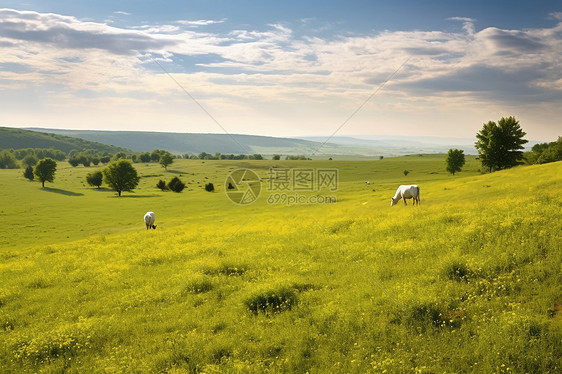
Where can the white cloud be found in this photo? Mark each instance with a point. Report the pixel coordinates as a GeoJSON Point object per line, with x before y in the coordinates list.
{"type": "Point", "coordinates": [241, 70]}
{"type": "Point", "coordinates": [197, 23]}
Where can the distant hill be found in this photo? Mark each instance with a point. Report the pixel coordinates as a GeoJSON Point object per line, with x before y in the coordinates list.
{"type": "Point", "coordinates": [357, 146]}
{"type": "Point", "coordinates": [20, 138]}
{"type": "Point", "coordinates": [181, 143]}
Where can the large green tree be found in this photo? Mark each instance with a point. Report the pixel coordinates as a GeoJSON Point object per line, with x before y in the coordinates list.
{"type": "Point", "coordinates": [45, 170]}
{"type": "Point", "coordinates": [499, 145]}
{"type": "Point", "coordinates": [121, 176]}
{"type": "Point", "coordinates": [455, 160]}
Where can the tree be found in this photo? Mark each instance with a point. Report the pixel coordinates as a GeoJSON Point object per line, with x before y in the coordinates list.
{"type": "Point", "coordinates": [155, 155]}
{"type": "Point", "coordinates": [121, 176]}
{"type": "Point", "coordinates": [95, 178]}
{"type": "Point", "coordinates": [28, 173]}
{"type": "Point", "coordinates": [406, 172]}
{"type": "Point", "coordinates": [176, 185]}
{"type": "Point", "coordinates": [455, 160]}
{"type": "Point", "coordinates": [145, 157]}
{"type": "Point", "coordinates": [166, 159]}
{"type": "Point", "coordinates": [7, 160]}
{"type": "Point", "coordinates": [499, 146]}
{"type": "Point", "coordinates": [552, 153]}
{"type": "Point", "coordinates": [119, 156]}
{"type": "Point", "coordinates": [29, 160]}
{"type": "Point", "coordinates": [45, 170]}
{"type": "Point", "coordinates": [73, 161]}
{"type": "Point", "coordinates": [161, 185]}
{"type": "Point", "coordinates": [276, 157]}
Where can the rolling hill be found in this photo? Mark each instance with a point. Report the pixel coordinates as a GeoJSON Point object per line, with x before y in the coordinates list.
{"type": "Point", "coordinates": [20, 138]}
{"type": "Point", "coordinates": [180, 143]}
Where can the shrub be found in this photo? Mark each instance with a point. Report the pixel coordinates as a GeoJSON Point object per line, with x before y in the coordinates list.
{"type": "Point", "coordinates": [161, 185]}
{"type": "Point", "coordinates": [199, 285]}
{"type": "Point", "coordinates": [95, 178]}
{"type": "Point", "coordinates": [28, 173]}
{"type": "Point", "coordinates": [74, 162]}
{"type": "Point", "coordinates": [209, 187]}
{"type": "Point", "coordinates": [458, 271]}
{"type": "Point", "coordinates": [406, 172]}
{"type": "Point", "coordinates": [428, 314]}
{"type": "Point", "coordinates": [272, 301]}
{"type": "Point", "coordinates": [176, 185]}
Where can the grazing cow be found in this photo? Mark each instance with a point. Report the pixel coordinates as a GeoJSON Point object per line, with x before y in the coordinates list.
{"type": "Point", "coordinates": [367, 182]}
{"type": "Point", "coordinates": [406, 191]}
{"type": "Point", "coordinates": [149, 219]}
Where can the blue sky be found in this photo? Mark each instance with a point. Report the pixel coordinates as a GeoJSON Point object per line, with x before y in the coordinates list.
{"type": "Point", "coordinates": [291, 68]}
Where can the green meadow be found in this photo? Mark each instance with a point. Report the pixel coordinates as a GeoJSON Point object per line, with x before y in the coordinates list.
{"type": "Point", "coordinates": [470, 281]}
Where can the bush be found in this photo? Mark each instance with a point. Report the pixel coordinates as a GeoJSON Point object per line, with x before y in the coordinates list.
{"type": "Point", "coordinates": [406, 172]}
{"type": "Point", "coordinates": [209, 187]}
{"type": "Point", "coordinates": [176, 185]}
{"type": "Point", "coordinates": [458, 271]}
{"type": "Point", "coordinates": [145, 157]}
{"type": "Point", "coordinates": [74, 162]}
{"type": "Point", "coordinates": [95, 178]}
{"type": "Point", "coordinates": [272, 301]}
{"type": "Point", "coordinates": [28, 173]}
{"type": "Point", "coordinates": [161, 185]}
{"type": "Point", "coordinates": [199, 285]}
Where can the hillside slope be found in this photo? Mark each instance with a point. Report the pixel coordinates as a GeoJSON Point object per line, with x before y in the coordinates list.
{"type": "Point", "coordinates": [180, 143]}
{"type": "Point", "coordinates": [467, 282]}
{"type": "Point", "coordinates": [20, 138]}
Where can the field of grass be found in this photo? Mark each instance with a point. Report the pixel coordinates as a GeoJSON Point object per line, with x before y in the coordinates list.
{"type": "Point", "coordinates": [470, 281]}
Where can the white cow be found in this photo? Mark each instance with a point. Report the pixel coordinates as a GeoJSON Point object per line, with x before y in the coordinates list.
{"type": "Point", "coordinates": [367, 182]}
{"type": "Point", "coordinates": [149, 219]}
{"type": "Point", "coordinates": [406, 191]}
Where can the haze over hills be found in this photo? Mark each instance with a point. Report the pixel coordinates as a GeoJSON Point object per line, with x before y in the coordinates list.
{"type": "Point", "coordinates": [195, 143]}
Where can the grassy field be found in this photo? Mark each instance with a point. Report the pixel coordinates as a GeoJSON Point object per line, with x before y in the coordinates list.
{"type": "Point", "coordinates": [470, 281]}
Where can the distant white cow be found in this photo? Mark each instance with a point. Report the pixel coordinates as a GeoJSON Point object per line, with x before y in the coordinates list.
{"type": "Point", "coordinates": [406, 191]}
{"type": "Point", "coordinates": [367, 182]}
{"type": "Point", "coordinates": [149, 219]}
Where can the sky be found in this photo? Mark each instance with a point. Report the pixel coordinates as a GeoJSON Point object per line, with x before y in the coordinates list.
{"type": "Point", "coordinates": [291, 68]}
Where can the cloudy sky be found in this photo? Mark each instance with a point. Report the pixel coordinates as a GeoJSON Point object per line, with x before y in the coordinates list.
{"type": "Point", "coordinates": [285, 68]}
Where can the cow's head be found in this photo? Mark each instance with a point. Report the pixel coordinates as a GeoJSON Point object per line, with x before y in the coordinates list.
{"type": "Point", "coordinates": [154, 227]}
{"type": "Point", "coordinates": [392, 202]}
